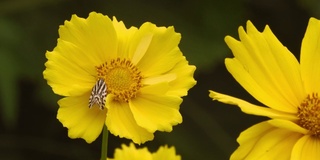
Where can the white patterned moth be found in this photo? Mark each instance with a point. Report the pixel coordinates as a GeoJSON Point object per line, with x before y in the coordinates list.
{"type": "Point", "coordinates": [98, 94]}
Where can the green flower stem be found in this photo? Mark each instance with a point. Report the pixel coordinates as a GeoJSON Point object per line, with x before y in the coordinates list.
{"type": "Point", "coordinates": [104, 146]}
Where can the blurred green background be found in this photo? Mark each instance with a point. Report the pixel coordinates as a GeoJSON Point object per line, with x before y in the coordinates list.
{"type": "Point", "coordinates": [29, 129]}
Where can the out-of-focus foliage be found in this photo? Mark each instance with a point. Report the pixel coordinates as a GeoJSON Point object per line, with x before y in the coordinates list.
{"type": "Point", "coordinates": [29, 129]}
{"type": "Point", "coordinates": [9, 69]}
{"type": "Point", "coordinates": [313, 6]}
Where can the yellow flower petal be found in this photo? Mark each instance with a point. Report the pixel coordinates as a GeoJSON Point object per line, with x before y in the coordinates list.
{"type": "Point", "coordinates": [254, 132]}
{"type": "Point", "coordinates": [306, 148]}
{"type": "Point", "coordinates": [251, 108]}
{"type": "Point", "coordinates": [180, 79]}
{"type": "Point", "coordinates": [266, 69]}
{"type": "Point", "coordinates": [95, 35]}
{"type": "Point", "coordinates": [159, 88]}
{"type": "Point", "coordinates": [285, 124]}
{"type": "Point", "coordinates": [81, 121]}
{"type": "Point", "coordinates": [131, 153]}
{"type": "Point", "coordinates": [275, 144]}
{"type": "Point", "coordinates": [310, 57]}
{"type": "Point", "coordinates": [263, 141]}
{"type": "Point", "coordinates": [166, 153]}
{"type": "Point", "coordinates": [248, 138]}
{"type": "Point", "coordinates": [142, 47]}
{"type": "Point", "coordinates": [156, 111]}
{"type": "Point", "coordinates": [68, 76]}
{"type": "Point", "coordinates": [162, 53]}
{"type": "Point", "coordinates": [184, 80]}
{"type": "Point", "coordinates": [159, 79]}
{"type": "Point", "coordinates": [121, 123]}
{"type": "Point", "coordinates": [125, 38]}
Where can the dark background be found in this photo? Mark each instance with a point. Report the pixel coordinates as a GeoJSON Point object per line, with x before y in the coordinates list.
{"type": "Point", "coordinates": [29, 129]}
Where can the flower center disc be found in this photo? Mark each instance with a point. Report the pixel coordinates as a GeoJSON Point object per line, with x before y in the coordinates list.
{"type": "Point", "coordinates": [309, 114]}
{"type": "Point", "coordinates": [123, 79]}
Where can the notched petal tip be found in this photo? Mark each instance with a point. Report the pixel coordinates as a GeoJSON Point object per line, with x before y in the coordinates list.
{"type": "Point", "coordinates": [313, 20]}
{"type": "Point", "coordinates": [223, 98]}
{"type": "Point", "coordinates": [251, 28]}
{"type": "Point", "coordinates": [228, 38]}
{"type": "Point", "coordinates": [94, 13]}
{"type": "Point", "coordinates": [241, 30]}
{"type": "Point", "coordinates": [250, 25]}
{"type": "Point", "coordinates": [212, 95]}
{"type": "Point", "coordinates": [267, 29]}
{"type": "Point", "coordinates": [73, 16]}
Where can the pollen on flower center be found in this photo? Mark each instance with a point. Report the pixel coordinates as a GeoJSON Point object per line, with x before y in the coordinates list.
{"type": "Point", "coordinates": [309, 114]}
{"type": "Point", "coordinates": [123, 79]}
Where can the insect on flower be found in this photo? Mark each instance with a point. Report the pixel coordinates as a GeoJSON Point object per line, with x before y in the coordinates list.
{"type": "Point", "coordinates": [98, 94]}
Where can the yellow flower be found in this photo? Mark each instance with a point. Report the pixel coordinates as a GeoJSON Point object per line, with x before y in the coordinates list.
{"type": "Point", "coordinates": [134, 78]}
{"type": "Point", "coordinates": [291, 92]}
{"type": "Point", "coordinates": [132, 153]}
